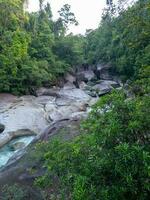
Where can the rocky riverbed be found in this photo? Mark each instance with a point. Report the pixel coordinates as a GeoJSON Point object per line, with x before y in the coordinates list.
{"type": "Point", "coordinates": [27, 117]}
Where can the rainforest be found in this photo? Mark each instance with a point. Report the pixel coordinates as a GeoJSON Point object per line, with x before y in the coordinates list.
{"type": "Point", "coordinates": [74, 109]}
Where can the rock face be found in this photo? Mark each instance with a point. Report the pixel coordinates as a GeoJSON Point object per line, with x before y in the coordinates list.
{"type": "Point", "coordinates": [70, 78]}
{"type": "Point", "coordinates": [100, 87]}
{"type": "Point", "coordinates": [30, 115]}
{"type": "Point", "coordinates": [102, 72]}
{"type": "Point", "coordinates": [21, 115]}
{"type": "Point", "coordinates": [27, 116]}
{"type": "Point", "coordinates": [51, 104]}
{"type": "Point", "coordinates": [70, 100]}
{"type": "Point", "coordinates": [36, 113]}
{"type": "Point", "coordinates": [105, 86]}
{"type": "Point", "coordinates": [85, 76]}
{"type": "Point", "coordinates": [48, 91]}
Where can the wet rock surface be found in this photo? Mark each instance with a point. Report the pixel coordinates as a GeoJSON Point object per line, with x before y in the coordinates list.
{"type": "Point", "coordinates": [29, 115]}
{"type": "Point", "coordinates": [63, 129]}
{"type": "Point", "coordinates": [54, 113]}
{"type": "Point", "coordinates": [100, 87]}
{"type": "Point", "coordinates": [14, 149]}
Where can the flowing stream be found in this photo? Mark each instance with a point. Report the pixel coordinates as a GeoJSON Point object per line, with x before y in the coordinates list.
{"type": "Point", "coordinates": [14, 146]}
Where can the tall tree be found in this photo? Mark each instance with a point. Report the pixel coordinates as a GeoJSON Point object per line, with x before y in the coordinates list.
{"type": "Point", "coordinates": [67, 17]}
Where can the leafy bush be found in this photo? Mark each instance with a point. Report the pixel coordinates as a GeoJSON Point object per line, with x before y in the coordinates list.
{"type": "Point", "coordinates": [12, 193]}
{"type": "Point", "coordinates": [111, 160]}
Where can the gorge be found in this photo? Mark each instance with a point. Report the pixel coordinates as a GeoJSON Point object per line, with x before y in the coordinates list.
{"type": "Point", "coordinates": [27, 117]}
{"type": "Point", "coordinates": [74, 109]}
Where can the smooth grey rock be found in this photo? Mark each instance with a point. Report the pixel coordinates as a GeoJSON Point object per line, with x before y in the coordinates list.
{"type": "Point", "coordinates": [88, 74]}
{"type": "Point", "coordinates": [43, 100]}
{"type": "Point", "coordinates": [63, 101]}
{"type": "Point", "coordinates": [69, 86]}
{"type": "Point", "coordinates": [79, 115]}
{"type": "Point", "coordinates": [92, 93]}
{"type": "Point", "coordinates": [51, 105]}
{"type": "Point", "coordinates": [28, 98]}
{"type": "Point", "coordinates": [70, 78]}
{"type": "Point", "coordinates": [75, 94]}
{"type": "Point", "coordinates": [105, 87]}
{"type": "Point", "coordinates": [35, 113]}
{"type": "Point", "coordinates": [102, 71]}
{"type": "Point", "coordinates": [55, 113]}
{"type": "Point", "coordinates": [82, 85]}
{"type": "Point", "coordinates": [26, 114]}
{"type": "Point", "coordinates": [52, 112]}
{"type": "Point", "coordinates": [85, 76]}
{"type": "Point", "coordinates": [81, 77]}
{"type": "Point", "coordinates": [48, 91]}
{"type": "Point", "coordinates": [102, 86]}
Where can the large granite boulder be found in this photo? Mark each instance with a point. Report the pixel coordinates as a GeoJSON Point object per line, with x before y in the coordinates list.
{"type": "Point", "coordinates": [64, 111]}
{"type": "Point", "coordinates": [35, 113]}
{"type": "Point", "coordinates": [102, 71]}
{"type": "Point", "coordinates": [75, 94]}
{"type": "Point", "coordinates": [69, 86]}
{"type": "Point", "coordinates": [70, 78]}
{"type": "Point", "coordinates": [48, 91]}
{"type": "Point", "coordinates": [89, 74]}
{"type": "Point", "coordinates": [105, 87]}
{"type": "Point", "coordinates": [85, 76]}
{"type": "Point", "coordinates": [52, 113]}
{"type": "Point", "coordinates": [82, 85]}
{"type": "Point", "coordinates": [43, 100]}
{"type": "Point", "coordinates": [63, 101]}
{"type": "Point", "coordinates": [28, 116]}
{"type": "Point", "coordinates": [25, 114]}
{"type": "Point", "coordinates": [100, 88]}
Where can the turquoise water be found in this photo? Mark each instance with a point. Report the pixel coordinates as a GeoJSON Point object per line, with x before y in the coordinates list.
{"type": "Point", "coordinates": [8, 150]}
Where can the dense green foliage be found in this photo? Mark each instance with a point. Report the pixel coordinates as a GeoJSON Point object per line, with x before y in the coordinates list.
{"type": "Point", "coordinates": [12, 192]}
{"type": "Point", "coordinates": [34, 49]}
{"type": "Point", "coordinates": [122, 39]}
{"type": "Point", "coordinates": [19, 192]}
{"type": "Point", "coordinates": [111, 159]}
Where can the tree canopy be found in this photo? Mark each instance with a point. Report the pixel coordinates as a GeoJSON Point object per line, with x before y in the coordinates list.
{"type": "Point", "coordinates": [122, 39]}
{"type": "Point", "coordinates": [34, 49]}
{"type": "Point", "coordinates": [110, 160]}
